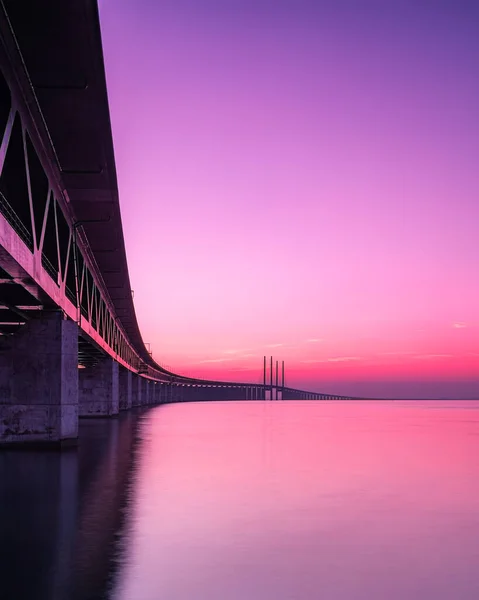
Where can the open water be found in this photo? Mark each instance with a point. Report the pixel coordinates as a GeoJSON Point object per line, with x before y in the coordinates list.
{"type": "Point", "coordinates": [249, 501]}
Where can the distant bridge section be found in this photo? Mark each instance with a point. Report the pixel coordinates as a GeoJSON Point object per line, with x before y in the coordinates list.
{"type": "Point", "coordinates": [70, 344]}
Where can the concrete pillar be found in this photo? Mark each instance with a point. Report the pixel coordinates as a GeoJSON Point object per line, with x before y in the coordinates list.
{"type": "Point", "coordinates": [145, 393]}
{"type": "Point", "coordinates": [141, 392]}
{"type": "Point", "coordinates": [148, 392]}
{"type": "Point", "coordinates": [39, 382]}
{"type": "Point", "coordinates": [125, 388]}
{"type": "Point", "coordinates": [136, 390]}
{"type": "Point", "coordinates": [154, 392]}
{"type": "Point", "coordinates": [98, 389]}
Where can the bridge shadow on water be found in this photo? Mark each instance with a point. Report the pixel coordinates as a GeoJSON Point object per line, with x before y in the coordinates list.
{"type": "Point", "coordinates": [62, 514]}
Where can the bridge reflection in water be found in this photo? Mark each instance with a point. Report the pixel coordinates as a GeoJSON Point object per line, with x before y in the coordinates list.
{"type": "Point", "coordinates": [248, 500]}
{"type": "Point", "coordinates": [62, 513]}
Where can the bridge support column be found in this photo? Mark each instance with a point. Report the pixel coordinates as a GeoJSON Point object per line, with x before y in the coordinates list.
{"type": "Point", "coordinates": [145, 398]}
{"type": "Point", "coordinates": [98, 389]}
{"type": "Point", "coordinates": [39, 382]}
{"type": "Point", "coordinates": [125, 389]}
{"type": "Point", "coordinates": [144, 391]}
{"type": "Point", "coordinates": [154, 393]}
{"type": "Point", "coordinates": [149, 392]}
{"type": "Point", "coordinates": [135, 390]}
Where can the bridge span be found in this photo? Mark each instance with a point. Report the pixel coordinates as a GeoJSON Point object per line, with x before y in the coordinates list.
{"type": "Point", "coordinates": [70, 344]}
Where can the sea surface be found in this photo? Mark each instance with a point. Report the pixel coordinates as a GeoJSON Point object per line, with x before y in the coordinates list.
{"type": "Point", "coordinates": [249, 501]}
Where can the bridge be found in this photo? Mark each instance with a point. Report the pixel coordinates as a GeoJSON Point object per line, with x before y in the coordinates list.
{"type": "Point", "coordinates": [70, 345]}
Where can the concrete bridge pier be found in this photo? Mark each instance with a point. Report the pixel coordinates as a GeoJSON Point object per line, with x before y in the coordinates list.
{"type": "Point", "coordinates": [147, 392]}
{"type": "Point", "coordinates": [39, 381]}
{"type": "Point", "coordinates": [179, 392]}
{"type": "Point", "coordinates": [142, 391]}
{"type": "Point", "coordinates": [125, 388]}
{"type": "Point", "coordinates": [151, 392]}
{"type": "Point", "coordinates": [136, 390]}
{"type": "Point", "coordinates": [98, 389]}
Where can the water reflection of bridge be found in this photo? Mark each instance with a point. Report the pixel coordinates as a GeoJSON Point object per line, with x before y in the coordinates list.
{"type": "Point", "coordinates": [70, 343]}
{"type": "Point", "coordinates": [63, 512]}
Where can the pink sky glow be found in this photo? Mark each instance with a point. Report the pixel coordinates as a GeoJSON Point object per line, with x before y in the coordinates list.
{"type": "Point", "coordinates": [300, 179]}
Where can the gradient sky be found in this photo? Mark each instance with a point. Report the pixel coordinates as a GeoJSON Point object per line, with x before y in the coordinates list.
{"type": "Point", "coordinates": [300, 178]}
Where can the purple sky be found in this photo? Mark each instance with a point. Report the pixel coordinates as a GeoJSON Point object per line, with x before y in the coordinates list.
{"type": "Point", "coordinates": [299, 178]}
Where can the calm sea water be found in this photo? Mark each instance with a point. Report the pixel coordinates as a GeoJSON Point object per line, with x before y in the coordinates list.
{"type": "Point", "coordinates": [250, 501]}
